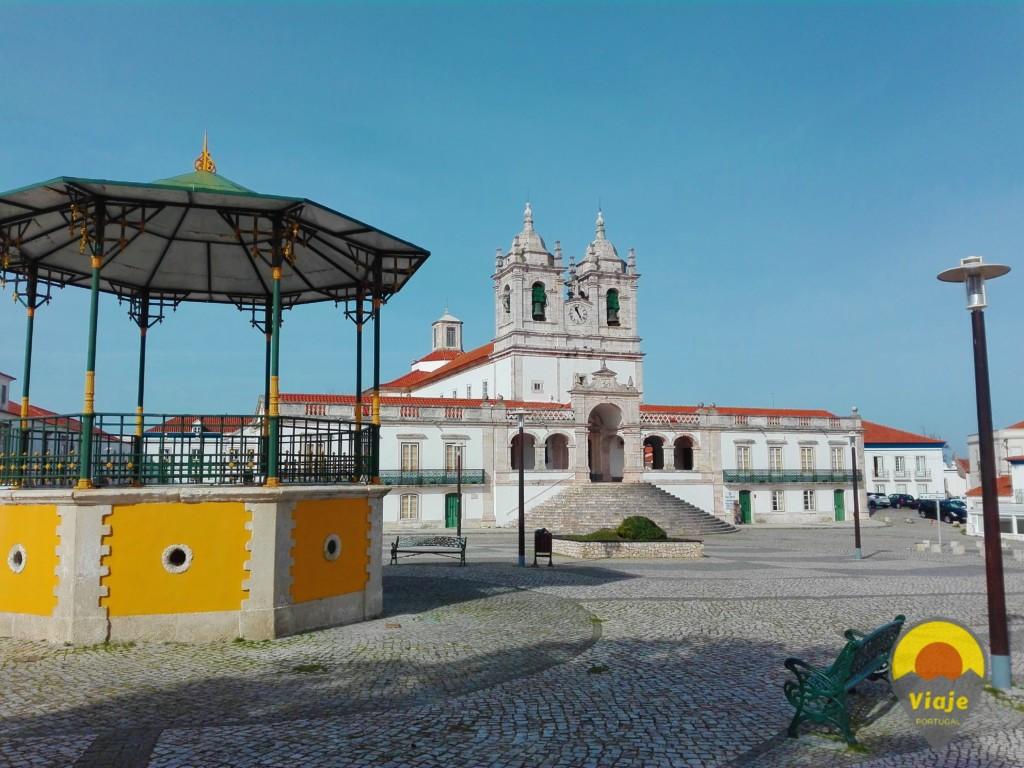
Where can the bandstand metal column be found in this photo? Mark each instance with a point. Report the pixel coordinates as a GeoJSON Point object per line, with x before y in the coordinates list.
{"type": "Point", "coordinates": [377, 303]}
{"type": "Point", "coordinates": [31, 303]}
{"type": "Point", "coordinates": [96, 248]}
{"type": "Point", "coordinates": [273, 405]}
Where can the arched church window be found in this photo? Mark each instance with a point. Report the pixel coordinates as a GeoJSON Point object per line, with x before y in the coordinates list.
{"type": "Point", "coordinates": [682, 453]}
{"type": "Point", "coordinates": [506, 300]}
{"type": "Point", "coordinates": [529, 452]}
{"type": "Point", "coordinates": [613, 307]}
{"type": "Point", "coordinates": [654, 453]}
{"type": "Point", "coordinates": [540, 301]}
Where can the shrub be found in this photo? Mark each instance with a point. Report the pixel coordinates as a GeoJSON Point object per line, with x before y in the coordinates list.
{"type": "Point", "coordinates": [638, 528]}
{"type": "Point", "coordinates": [601, 534]}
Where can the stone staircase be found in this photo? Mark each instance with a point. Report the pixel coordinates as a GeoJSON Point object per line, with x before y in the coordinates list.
{"type": "Point", "coordinates": [586, 507]}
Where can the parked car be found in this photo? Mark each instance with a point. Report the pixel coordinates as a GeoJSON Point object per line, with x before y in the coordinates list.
{"type": "Point", "coordinates": [902, 500]}
{"type": "Point", "coordinates": [948, 511]}
{"type": "Point", "coordinates": [878, 501]}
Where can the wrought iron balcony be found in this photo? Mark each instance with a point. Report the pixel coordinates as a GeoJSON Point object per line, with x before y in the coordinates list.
{"type": "Point", "coordinates": [923, 474]}
{"type": "Point", "coordinates": [831, 476]}
{"type": "Point", "coordinates": [165, 449]}
{"type": "Point", "coordinates": [430, 477]}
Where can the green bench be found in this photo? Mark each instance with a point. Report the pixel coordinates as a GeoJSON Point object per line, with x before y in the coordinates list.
{"type": "Point", "coordinates": [820, 695]}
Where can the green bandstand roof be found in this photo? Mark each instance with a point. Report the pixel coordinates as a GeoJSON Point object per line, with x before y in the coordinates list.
{"type": "Point", "coordinates": [197, 237]}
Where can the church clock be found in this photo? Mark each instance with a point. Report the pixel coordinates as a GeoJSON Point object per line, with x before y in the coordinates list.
{"type": "Point", "coordinates": [578, 314]}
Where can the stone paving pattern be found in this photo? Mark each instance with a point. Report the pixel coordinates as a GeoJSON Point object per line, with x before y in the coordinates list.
{"type": "Point", "coordinates": [591, 664]}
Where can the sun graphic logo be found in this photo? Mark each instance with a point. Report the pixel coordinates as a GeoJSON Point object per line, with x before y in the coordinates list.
{"type": "Point", "coordinates": [938, 672]}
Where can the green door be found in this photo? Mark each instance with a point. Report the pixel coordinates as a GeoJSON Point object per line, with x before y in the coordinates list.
{"type": "Point", "coordinates": [840, 498]}
{"type": "Point", "coordinates": [745, 507]}
{"type": "Point", "coordinates": [451, 510]}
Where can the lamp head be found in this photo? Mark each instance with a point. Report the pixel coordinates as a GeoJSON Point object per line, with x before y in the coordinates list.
{"type": "Point", "coordinates": [973, 273]}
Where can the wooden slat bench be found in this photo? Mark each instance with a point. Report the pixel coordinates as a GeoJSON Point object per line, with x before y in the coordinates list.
{"type": "Point", "coordinates": [820, 695]}
{"type": "Point", "coordinates": [410, 545]}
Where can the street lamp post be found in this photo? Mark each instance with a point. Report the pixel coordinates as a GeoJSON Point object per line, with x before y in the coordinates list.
{"type": "Point", "coordinates": [522, 495]}
{"type": "Point", "coordinates": [973, 273]}
{"type": "Point", "coordinates": [856, 497]}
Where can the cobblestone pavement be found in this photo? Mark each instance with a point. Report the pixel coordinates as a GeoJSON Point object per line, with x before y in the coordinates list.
{"type": "Point", "coordinates": [613, 663]}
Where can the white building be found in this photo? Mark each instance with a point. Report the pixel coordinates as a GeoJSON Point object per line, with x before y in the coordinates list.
{"type": "Point", "coordinates": [903, 462]}
{"type": "Point", "coordinates": [566, 357]}
{"type": "Point", "coordinates": [1008, 442]}
{"type": "Point", "coordinates": [1010, 491]}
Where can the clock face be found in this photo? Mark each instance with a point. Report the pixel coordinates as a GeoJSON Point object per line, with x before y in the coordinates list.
{"type": "Point", "coordinates": [578, 313]}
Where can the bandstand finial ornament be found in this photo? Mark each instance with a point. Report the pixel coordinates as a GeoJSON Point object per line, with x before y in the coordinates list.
{"type": "Point", "coordinates": [205, 161]}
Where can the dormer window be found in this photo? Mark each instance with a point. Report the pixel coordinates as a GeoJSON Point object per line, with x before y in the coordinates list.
{"type": "Point", "coordinates": [539, 301]}
{"type": "Point", "coordinates": [612, 300]}
{"type": "Point", "coordinates": [450, 338]}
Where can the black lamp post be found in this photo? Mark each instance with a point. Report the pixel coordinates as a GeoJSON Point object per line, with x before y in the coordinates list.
{"type": "Point", "coordinates": [973, 273]}
{"type": "Point", "coordinates": [522, 494]}
{"type": "Point", "coordinates": [856, 497]}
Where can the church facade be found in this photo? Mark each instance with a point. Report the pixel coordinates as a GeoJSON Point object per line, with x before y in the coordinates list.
{"type": "Point", "coordinates": [565, 368]}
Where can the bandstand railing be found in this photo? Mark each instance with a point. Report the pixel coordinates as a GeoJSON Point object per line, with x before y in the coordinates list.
{"type": "Point", "coordinates": [168, 449]}
{"type": "Point", "coordinates": [431, 477]}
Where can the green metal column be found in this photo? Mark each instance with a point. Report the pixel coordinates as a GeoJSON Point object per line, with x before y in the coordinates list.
{"type": "Point", "coordinates": [377, 303]}
{"type": "Point", "coordinates": [140, 400]}
{"type": "Point", "coordinates": [30, 311]}
{"type": "Point", "coordinates": [88, 413]}
{"type": "Point", "coordinates": [359, 469]}
{"type": "Point", "coordinates": [275, 347]}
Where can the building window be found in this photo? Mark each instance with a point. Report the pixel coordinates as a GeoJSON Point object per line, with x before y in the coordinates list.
{"type": "Point", "coordinates": [537, 386]}
{"type": "Point", "coordinates": [808, 501]}
{"type": "Point", "coordinates": [484, 387]}
{"type": "Point", "coordinates": [919, 463]}
{"type": "Point", "coordinates": [807, 458]}
{"type": "Point", "coordinates": [581, 380]}
{"type": "Point", "coordinates": [506, 300]}
{"type": "Point", "coordinates": [775, 457]}
{"type": "Point", "coordinates": [901, 466]}
{"type": "Point", "coordinates": [556, 452]}
{"type": "Point", "coordinates": [539, 300]}
{"type": "Point", "coordinates": [437, 338]}
{"type": "Point", "coordinates": [879, 465]}
{"type": "Point", "coordinates": [922, 489]}
{"type": "Point", "coordinates": [879, 488]}
{"type": "Point", "coordinates": [455, 393]}
{"type": "Point", "coordinates": [901, 487]}
{"type": "Point", "coordinates": [410, 457]}
{"type": "Point", "coordinates": [742, 457]}
{"type": "Point", "coordinates": [838, 459]}
{"type": "Point", "coordinates": [410, 507]}
{"type": "Point", "coordinates": [450, 340]}
{"type": "Point", "coordinates": [529, 452]}
{"type": "Point", "coordinates": [3, 393]}
{"type": "Point", "coordinates": [778, 501]}
{"type": "Point", "coordinates": [654, 452]}
{"type": "Point", "coordinates": [613, 307]}
{"type": "Point", "coordinates": [469, 391]}
{"type": "Point", "coordinates": [682, 453]}
{"type": "Point", "coordinates": [452, 452]}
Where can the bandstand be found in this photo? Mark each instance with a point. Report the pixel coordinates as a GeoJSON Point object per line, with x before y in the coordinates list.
{"type": "Point", "coordinates": [191, 527]}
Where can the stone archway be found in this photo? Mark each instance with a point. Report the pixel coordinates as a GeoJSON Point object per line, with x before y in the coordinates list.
{"type": "Point", "coordinates": [605, 447]}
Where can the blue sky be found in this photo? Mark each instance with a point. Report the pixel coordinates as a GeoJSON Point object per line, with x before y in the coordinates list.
{"type": "Point", "coordinates": [792, 177]}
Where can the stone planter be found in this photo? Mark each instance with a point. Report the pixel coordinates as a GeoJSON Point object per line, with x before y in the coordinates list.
{"type": "Point", "coordinates": [593, 550]}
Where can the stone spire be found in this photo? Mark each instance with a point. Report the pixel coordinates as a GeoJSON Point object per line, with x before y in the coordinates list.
{"type": "Point", "coordinates": [599, 230]}
{"type": "Point", "coordinates": [631, 261]}
{"type": "Point", "coordinates": [528, 218]}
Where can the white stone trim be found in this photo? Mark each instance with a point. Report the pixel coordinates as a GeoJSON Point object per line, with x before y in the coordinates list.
{"type": "Point", "coordinates": [329, 552]}
{"type": "Point", "coordinates": [17, 558]}
{"type": "Point", "coordinates": [165, 558]}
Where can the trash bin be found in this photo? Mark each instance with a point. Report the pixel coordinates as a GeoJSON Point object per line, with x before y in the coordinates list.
{"type": "Point", "coordinates": [542, 545]}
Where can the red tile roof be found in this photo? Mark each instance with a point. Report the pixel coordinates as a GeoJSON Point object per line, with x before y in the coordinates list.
{"type": "Point", "coordinates": [740, 411]}
{"type": "Point", "coordinates": [1018, 425]}
{"type": "Point", "coordinates": [1004, 487]}
{"type": "Point", "coordinates": [463, 362]}
{"type": "Point", "coordinates": [879, 434]}
{"type": "Point", "coordinates": [324, 399]}
{"type": "Point", "coordinates": [219, 424]}
{"type": "Point", "coordinates": [964, 465]}
{"type": "Point", "coordinates": [35, 412]}
{"type": "Point", "coordinates": [1015, 459]}
{"type": "Point", "coordinates": [441, 354]}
